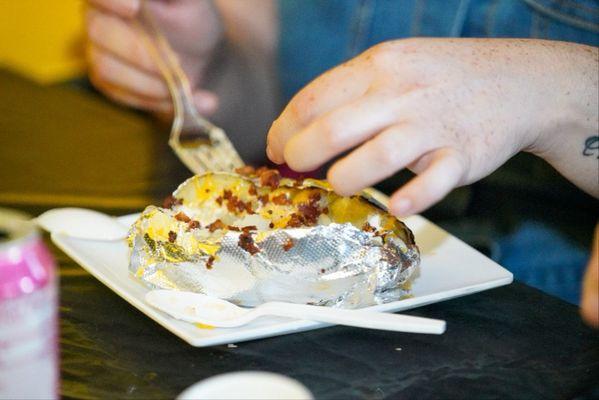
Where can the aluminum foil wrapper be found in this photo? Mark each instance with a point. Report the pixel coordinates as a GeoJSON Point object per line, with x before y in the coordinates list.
{"type": "Point", "coordinates": [338, 261]}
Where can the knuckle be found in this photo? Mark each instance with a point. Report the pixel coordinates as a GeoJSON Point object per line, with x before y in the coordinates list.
{"type": "Point", "coordinates": [301, 107]}
{"type": "Point", "coordinates": [385, 146]}
{"type": "Point", "coordinates": [387, 154]}
{"type": "Point", "coordinates": [102, 67]}
{"type": "Point", "coordinates": [331, 135]}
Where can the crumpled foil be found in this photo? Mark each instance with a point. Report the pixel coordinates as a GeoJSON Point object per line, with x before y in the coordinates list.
{"type": "Point", "coordinates": [336, 264]}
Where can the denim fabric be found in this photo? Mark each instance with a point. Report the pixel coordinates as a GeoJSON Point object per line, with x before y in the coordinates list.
{"type": "Point", "coordinates": [319, 34]}
{"type": "Point", "coordinates": [316, 35]}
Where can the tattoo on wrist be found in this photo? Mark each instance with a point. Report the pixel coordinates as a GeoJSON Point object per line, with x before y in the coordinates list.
{"type": "Point", "coordinates": [591, 146]}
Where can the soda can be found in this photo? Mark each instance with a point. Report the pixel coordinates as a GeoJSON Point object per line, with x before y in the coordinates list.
{"type": "Point", "coordinates": [28, 311]}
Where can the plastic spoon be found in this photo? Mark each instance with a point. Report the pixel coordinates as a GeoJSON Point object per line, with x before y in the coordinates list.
{"type": "Point", "coordinates": [195, 307]}
{"type": "Point", "coordinates": [82, 223]}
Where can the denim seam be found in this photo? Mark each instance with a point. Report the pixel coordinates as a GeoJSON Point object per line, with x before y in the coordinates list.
{"type": "Point", "coordinates": [593, 10]}
{"type": "Point", "coordinates": [417, 18]}
{"type": "Point", "coordinates": [490, 18]}
{"type": "Point", "coordinates": [360, 24]}
{"type": "Point", "coordinates": [460, 19]}
{"type": "Point", "coordinates": [568, 19]}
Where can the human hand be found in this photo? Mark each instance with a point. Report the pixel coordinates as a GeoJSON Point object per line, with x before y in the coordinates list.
{"type": "Point", "coordinates": [121, 66]}
{"type": "Point", "coordinates": [450, 110]}
{"type": "Point", "coordinates": [589, 305]}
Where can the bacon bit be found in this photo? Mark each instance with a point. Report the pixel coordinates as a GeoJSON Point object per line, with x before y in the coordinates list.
{"type": "Point", "coordinates": [227, 194]}
{"type": "Point", "coordinates": [219, 200]}
{"type": "Point", "coordinates": [298, 182]}
{"type": "Point", "coordinates": [271, 225]}
{"type": "Point", "coordinates": [246, 242]}
{"type": "Point", "coordinates": [368, 228]}
{"type": "Point", "coordinates": [263, 199]}
{"type": "Point", "coordinates": [314, 197]}
{"type": "Point", "coordinates": [171, 201]}
{"type": "Point", "coordinates": [261, 170]}
{"type": "Point", "coordinates": [235, 204]}
{"type": "Point", "coordinates": [310, 213]}
{"type": "Point", "coordinates": [325, 210]}
{"type": "Point", "coordinates": [246, 170]}
{"type": "Point", "coordinates": [210, 262]}
{"type": "Point", "coordinates": [181, 216]}
{"type": "Point", "coordinates": [281, 200]}
{"type": "Point", "coordinates": [249, 228]}
{"type": "Point", "coordinates": [172, 236]}
{"type": "Point", "coordinates": [193, 224]}
{"type": "Point", "coordinates": [252, 190]}
{"type": "Point", "coordinates": [288, 244]}
{"type": "Point", "coordinates": [271, 178]}
{"type": "Point", "coordinates": [234, 228]}
{"type": "Point", "coordinates": [207, 190]}
{"type": "Point", "coordinates": [295, 221]}
{"type": "Point", "coordinates": [218, 224]}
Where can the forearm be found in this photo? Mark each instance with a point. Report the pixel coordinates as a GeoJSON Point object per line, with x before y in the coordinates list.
{"type": "Point", "coordinates": [570, 141]}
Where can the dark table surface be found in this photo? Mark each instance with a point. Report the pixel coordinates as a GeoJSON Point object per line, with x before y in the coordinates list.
{"type": "Point", "coordinates": [63, 146]}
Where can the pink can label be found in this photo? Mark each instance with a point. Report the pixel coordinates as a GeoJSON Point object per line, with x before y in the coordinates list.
{"type": "Point", "coordinates": [28, 325]}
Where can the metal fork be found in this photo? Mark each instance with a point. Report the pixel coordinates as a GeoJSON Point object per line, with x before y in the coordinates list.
{"type": "Point", "coordinates": [198, 143]}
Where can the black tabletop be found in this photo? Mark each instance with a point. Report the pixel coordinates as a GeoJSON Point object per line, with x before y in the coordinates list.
{"type": "Point", "coordinates": [62, 146]}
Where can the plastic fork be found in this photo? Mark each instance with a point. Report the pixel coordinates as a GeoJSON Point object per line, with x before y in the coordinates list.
{"type": "Point", "coordinates": [198, 143]}
{"type": "Point", "coordinates": [196, 307]}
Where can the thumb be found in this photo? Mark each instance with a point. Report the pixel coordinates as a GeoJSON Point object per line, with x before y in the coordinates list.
{"type": "Point", "coordinates": [206, 102]}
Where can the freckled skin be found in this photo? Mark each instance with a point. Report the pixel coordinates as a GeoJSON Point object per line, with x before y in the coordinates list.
{"type": "Point", "coordinates": [452, 110]}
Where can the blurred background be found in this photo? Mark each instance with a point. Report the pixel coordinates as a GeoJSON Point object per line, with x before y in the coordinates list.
{"type": "Point", "coordinates": [43, 40]}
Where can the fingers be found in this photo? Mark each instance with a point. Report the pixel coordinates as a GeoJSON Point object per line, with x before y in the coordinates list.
{"type": "Point", "coordinates": [444, 171]}
{"type": "Point", "coordinates": [378, 158]}
{"type": "Point", "coordinates": [338, 86]}
{"type": "Point", "coordinates": [108, 70]}
{"type": "Point", "coordinates": [589, 305]}
{"type": "Point", "coordinates": [123, 8]}
{"type": "Point", "coordinates": [136, 101]}
{"type": "Point", "coordinates": [118, 37]}
{"type": "Point", "coordinates": [206, 102]}
{"type": "Point", "coordinates": [339, 130]}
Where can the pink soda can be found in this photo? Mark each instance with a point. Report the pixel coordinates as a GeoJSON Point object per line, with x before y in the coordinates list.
{"type": "Point", "coordinates": [28, 312]}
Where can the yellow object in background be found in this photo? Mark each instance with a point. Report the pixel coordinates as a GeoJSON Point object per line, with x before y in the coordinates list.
{"type": "Point", "coordinates": [42, 39]}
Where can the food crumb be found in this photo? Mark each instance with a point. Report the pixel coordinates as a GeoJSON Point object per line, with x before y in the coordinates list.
{"type": "Point", "coordinates": [246, 242]}
{"type": "Point", "coordinates": [271, 178]}
{"type": "Point", "coordinates": [288, 244]}
{"type": "Point", "coordinates": [210, 262]}
{"type": "Point", "coordinates": [246, 170]}
{"type": "Point", "coordinates": [181, 216]}
{"type": "Point", "coordinates": [232, 346]}
{"type": "Point", "coordinates": [398, 349]}
{"type": "Point", "coordinates": [193, 224]}
{"type": "Point", "coordinates": [172, 236]}
{"type": "Point", "coordinates": [171, 201]}
{"type": "Point", "coordinates": [218, 224]}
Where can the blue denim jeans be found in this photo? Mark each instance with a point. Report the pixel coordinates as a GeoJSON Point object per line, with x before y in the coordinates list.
{"type": "Point", "coordinates": [316, 35]}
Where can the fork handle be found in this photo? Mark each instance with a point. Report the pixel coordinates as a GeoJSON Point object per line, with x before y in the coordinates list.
{"type": "Point", "coordinates": [358, 318]}
{"type": "Point", "coordinates": [168, 64]}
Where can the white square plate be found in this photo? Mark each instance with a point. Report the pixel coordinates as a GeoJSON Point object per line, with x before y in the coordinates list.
{"type": "Point", "coordinates": [449, 268]}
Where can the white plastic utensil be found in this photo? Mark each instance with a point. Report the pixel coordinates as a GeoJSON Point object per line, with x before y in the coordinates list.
{"type": "Point", "coordinates": [195, 307]}
{"type": "Point", "coordinates": [82, 223]}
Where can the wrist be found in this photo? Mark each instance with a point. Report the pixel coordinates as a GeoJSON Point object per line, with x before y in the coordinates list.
{"type": "Point", "coordinates": [569, 99]}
